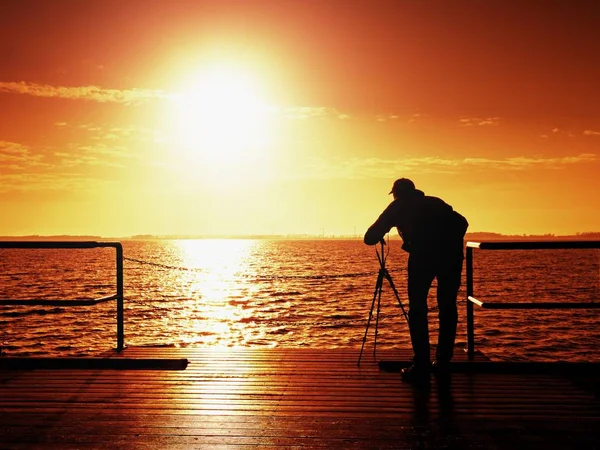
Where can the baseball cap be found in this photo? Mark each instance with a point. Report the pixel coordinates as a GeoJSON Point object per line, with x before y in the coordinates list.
{"type": "Point", "coordinates": [402, 185]}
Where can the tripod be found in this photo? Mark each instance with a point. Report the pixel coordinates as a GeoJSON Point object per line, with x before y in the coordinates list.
{"type": "Point", "coordinates": [383, 274]}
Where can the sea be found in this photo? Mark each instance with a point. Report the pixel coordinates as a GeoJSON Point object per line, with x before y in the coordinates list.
{"type": "Point", "coordinates": [287, 293]}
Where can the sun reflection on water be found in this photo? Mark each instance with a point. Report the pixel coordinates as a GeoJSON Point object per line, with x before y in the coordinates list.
{"type": "Point", "coordinates": [217, 276]}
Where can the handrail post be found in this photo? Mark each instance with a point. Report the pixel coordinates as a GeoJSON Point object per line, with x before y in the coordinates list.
{"type": "Point", "coordinates": [119, 296]}
{"type": "Point", "coordinates": [470, 324]}
{"type": "Point", "coordinates": [120, 312]}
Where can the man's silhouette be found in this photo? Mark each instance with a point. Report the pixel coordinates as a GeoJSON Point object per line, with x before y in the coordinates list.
{"type": "Point", "coordinates": [433, 235]}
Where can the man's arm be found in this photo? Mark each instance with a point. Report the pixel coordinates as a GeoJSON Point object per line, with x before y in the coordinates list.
{"type": "Point", "coordinates": [378, 230]}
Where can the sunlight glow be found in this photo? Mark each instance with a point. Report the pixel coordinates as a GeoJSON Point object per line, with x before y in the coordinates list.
{"type": "Point", "coordinates": [221, 117]}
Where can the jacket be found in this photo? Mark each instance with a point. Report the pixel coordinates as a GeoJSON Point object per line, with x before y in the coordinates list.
{"type": "Point", "coordinates": [426, 224]}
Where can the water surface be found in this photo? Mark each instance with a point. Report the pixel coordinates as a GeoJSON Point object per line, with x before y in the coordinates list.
{"type": "Point", "coordinates": [294, 293]}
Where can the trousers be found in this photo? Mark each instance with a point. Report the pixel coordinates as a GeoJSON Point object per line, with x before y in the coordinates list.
{"type": "Point", "coordinates": [422, 270]}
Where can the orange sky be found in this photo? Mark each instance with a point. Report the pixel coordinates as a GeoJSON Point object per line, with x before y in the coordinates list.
{"type": "Point", "coordinates": [243, 117]}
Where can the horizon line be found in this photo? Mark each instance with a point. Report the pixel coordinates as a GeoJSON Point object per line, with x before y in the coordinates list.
{"type": "Point", "coordinates": [291, 236]}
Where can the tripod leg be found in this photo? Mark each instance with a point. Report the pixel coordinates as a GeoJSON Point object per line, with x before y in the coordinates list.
{"type": "Point", "coordinates": [377, 317]}
{"type": "Point", "coordinates": [376, 294]}
{"type": "Point", "coordinates": [393, 286]}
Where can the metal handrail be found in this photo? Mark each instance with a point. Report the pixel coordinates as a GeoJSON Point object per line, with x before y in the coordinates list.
{"type": "Point", "coordinates": [82, 245]}
{"type": "Point", "coordinates": [516, 245]}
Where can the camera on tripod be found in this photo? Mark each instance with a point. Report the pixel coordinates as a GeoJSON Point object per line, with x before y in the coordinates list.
{"type": "Point", "coordinates": [383, 274]}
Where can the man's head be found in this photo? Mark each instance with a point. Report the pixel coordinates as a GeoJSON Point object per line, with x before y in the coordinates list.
{"type": "Point", "coordinates": [402, 186]}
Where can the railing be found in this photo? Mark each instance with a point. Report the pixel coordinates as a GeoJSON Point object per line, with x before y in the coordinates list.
{"type": "Point", "coordinates": [82, 245]}
{"type": "Point", "coordinates": [516, 245]}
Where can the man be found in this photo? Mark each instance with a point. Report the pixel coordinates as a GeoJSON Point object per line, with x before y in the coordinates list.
{"type": "Point", "coordinates": [433, 235]}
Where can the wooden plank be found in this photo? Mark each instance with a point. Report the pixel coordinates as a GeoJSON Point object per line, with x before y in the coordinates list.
{"type": "Point", "coordinates": [292, 398]}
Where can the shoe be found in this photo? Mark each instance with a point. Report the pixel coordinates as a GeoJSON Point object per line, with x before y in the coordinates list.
{"type": "Point", "coordinates": [414, 374]}
{"type": "Point", "coordinates": [440, 368]}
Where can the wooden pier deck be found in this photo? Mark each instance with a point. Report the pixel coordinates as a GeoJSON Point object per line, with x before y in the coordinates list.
{"type": "Point", "coordinates": [290, 398]}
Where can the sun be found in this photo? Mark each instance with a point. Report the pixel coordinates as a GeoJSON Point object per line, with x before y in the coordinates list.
{"type": "Point", "coordinates": [221, 117]}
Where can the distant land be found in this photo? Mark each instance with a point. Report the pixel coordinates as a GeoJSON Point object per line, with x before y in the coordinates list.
{"type": "Point", "coordinates": [475, 236]}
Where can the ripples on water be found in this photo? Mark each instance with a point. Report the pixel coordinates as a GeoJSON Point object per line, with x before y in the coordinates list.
{"type": "Point", "coordinates": [274, 293]}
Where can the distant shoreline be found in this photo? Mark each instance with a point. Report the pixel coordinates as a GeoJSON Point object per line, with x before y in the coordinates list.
{"type": "Point", "coordinates": [475, 236]}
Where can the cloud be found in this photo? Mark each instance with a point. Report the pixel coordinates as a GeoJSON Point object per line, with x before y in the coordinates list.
{"type": "Point", "coordinates": [90, 93]}
{"type": "Point", "coordinates": [26, 170]}
{"type": "Point", "coordinates": [357, 168]}
{"type": "Point", "coordinates": [15, 156]}
{"type": "Point", "coordinates": [94, 155]}
{"type": "Point", "coordinates": [562, 132]}
{"type": "Point", "coordinates": [136, 133]}
{"type": "Point", "coordinates": [386, 117]}
{"type": "Point", "coordinates": [403, 118]}
{"type": "Point", "coordinates": [525, 162]}
{"type": "Point", "coordinates": [111, 133]}
{"type": "Point", "coordinates": [478, 121]}
{"type": "Point", "coordinates": [55, 182]}
{"type": "Point", "coordinates": [591, 133]}
{"type": "Point", "coordinates": [105, 150]}
{"type": "Point", "coordinates": [308, 112]}
{"type": "Point", "coordinates": [68, 160]}
{"type": "Point", "coordinates": [12, 149]}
